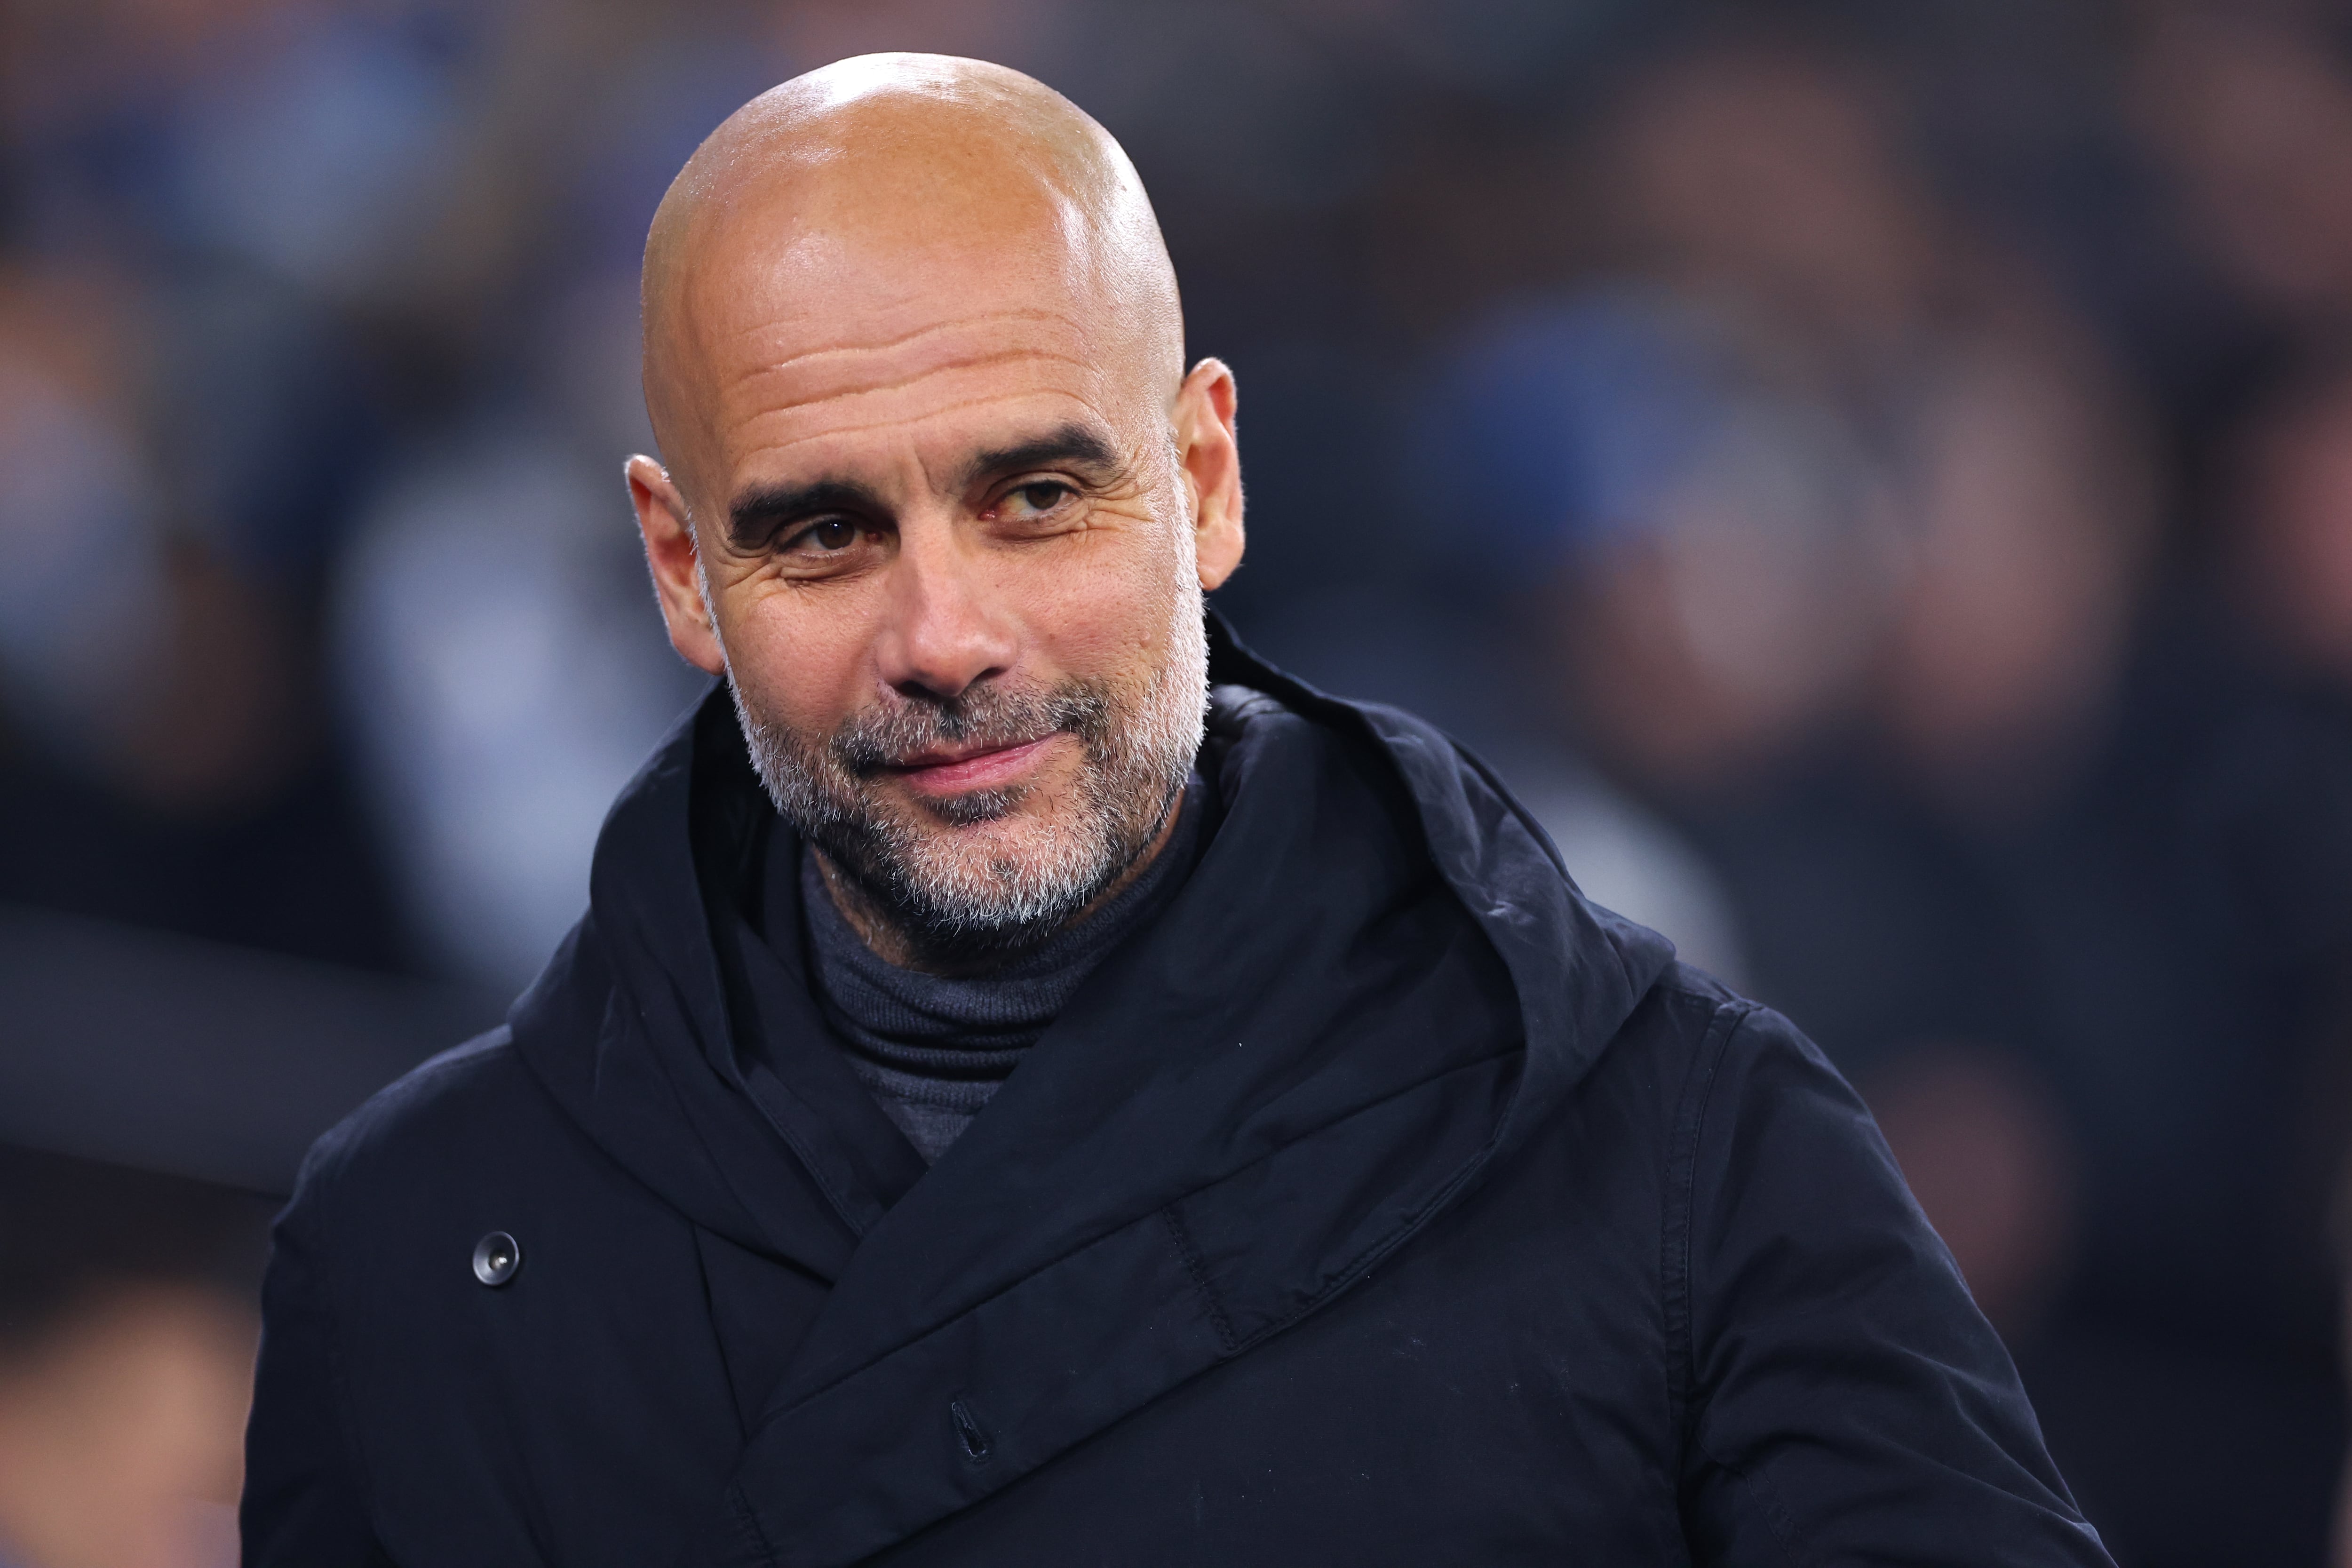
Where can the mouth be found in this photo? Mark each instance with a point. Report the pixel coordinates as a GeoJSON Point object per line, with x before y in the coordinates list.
{"type": "Point", "coordinates": [959, 770]}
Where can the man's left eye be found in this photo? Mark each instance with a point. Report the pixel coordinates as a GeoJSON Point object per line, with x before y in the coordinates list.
{"type": "Point", "coordinates": [1040, 497]}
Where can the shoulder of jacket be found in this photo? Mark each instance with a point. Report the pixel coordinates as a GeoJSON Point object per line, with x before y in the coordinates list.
{"type": "Point", "coordinates": [1695, 987]}
{"type": "Point", "coordinates": [1737, 1053]}
{"type": "Point", "coordinates": [419, 1115]}
{"type": "Point", "coordinates": [1689, 1032]}
{"type": "Point", "coordinates": [1696, 1006]}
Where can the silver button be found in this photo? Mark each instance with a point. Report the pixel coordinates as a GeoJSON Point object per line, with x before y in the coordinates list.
{"type": "Point", "coordinates": [496, 1257]}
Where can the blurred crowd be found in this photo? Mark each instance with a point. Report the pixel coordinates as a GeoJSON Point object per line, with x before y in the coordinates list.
{"type": "Point", "coordinates": [1878, 480]}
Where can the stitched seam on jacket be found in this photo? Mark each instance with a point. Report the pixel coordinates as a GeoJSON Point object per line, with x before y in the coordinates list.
{"type": "Point", "coordinates": [1675, 1244]}
{"type": "Point", "coordinates": [1199, 1272]}
{"type": "Point", "coordinates": [1674, 1230]}
{"type": "Point", "coordinates": [749, 1518]}
{"type": "Point", "coordinates": [1785, 1532]}
{"type": "Point", "coordinates": [1363, 1262]}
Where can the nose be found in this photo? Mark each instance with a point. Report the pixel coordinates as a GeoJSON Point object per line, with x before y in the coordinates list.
{"type": "Point", "coordinates": [944, 627]}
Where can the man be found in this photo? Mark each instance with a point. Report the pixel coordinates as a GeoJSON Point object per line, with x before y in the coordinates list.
{"type": "Point", "coordinates": [1035, 1085]}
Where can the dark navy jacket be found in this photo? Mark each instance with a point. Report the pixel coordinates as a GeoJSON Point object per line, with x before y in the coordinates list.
{"type": "Point", "coordinates": [1383, 1202]}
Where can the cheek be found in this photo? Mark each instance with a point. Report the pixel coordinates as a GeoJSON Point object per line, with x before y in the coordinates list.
{"type": "Point", "coordinates": [1108, 610]}
{"type": "Point", "coordinates": [800, 664]}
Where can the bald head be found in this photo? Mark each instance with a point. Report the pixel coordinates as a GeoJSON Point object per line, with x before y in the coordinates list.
{"type": "Point", "coordinates": [881, 198]}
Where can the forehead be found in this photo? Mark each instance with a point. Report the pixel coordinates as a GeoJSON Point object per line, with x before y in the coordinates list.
{"type": "Point", "coordinates": [820, 345]}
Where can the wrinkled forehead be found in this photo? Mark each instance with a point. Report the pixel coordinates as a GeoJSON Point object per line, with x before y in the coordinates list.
{"type": "Point", "coordinates": [813, 315]}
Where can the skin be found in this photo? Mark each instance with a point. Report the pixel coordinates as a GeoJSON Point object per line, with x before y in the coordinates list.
{"type": "Point", "coordinates": [914, 356]}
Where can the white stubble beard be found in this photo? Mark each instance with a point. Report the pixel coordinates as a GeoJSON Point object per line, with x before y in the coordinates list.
{"type": "Point", "coordinates": [1011, 877]}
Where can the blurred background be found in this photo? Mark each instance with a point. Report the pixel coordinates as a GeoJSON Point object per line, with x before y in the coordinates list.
{"type": "Point", "coordinates": [1877, 479]}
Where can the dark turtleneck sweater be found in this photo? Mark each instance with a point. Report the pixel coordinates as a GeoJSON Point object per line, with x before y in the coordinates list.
{"type": "Point", "coordinates": [934, 1048]}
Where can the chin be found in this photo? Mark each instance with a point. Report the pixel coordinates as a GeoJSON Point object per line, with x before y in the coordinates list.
{"type": "Point", "coordinates": [1019, 857]}
{"type": "Point", "coordinates": [1011, 843]}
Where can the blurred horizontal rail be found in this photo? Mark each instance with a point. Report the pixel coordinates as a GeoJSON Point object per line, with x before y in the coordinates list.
{"type": "Point", "coordinates": [169, 1054]}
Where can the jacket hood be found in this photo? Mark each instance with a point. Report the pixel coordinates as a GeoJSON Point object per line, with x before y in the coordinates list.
{"type": "Point", "coordinates": [1378, 978]}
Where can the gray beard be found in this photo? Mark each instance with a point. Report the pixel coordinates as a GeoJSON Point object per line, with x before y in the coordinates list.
{"type": "Point", "coordinates": [951, 904]}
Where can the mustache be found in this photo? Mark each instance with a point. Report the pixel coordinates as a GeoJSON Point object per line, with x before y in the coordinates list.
{"type": "Point", "coordinates": [982, 716]}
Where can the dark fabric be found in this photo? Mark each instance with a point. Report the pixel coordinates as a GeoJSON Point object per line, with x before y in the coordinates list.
{"type": "Point", "coordinates": [1384, 1201]}
{"type": "Point", "coordinates": [934, 1048]}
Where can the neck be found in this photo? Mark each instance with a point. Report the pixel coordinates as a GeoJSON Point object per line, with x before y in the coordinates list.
{"type": "Point", "coordinates": [894, 944]}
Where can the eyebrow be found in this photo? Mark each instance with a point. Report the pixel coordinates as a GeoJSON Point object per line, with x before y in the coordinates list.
{"type": "Point", "coordinates": [757, 516]}
{"type": "Point", "coordinates": [1077, 446]}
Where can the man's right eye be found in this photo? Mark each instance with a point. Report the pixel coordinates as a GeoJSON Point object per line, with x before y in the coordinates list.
{"type": "Point", "coordinates": [829, 536]}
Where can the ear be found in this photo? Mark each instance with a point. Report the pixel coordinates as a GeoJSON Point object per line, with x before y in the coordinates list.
{"type": "Point", "coordinates": [671, 556]}
{"type": "Point", "coordinates": [1212, 461]}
